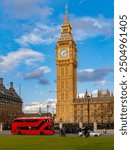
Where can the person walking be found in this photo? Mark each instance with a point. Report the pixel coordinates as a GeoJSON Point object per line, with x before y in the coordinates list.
{"type": "Point", "coordinates": [86, 133]}
{"type": "Point", "coordinates": [80, 132]}
{"type": "Point", "coordinates": [63, 131]}
{"type": "Point", "coordinates": [104, 130]}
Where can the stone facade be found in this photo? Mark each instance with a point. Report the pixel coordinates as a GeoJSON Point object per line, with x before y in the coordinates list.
{"type": "Point", "coordinates": [10, 103]}
{"type": "Point", "coordinates": [70, 108]}
{"type": "Point", "coordinates": [100, 108]}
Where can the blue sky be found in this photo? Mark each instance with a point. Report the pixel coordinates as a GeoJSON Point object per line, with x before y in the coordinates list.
{"type": "Point", "coordinates": [28, 34]}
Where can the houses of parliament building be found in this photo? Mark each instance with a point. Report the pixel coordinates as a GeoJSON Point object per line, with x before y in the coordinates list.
{"type": "Point", "coordinates": [70, 108]}
{"type": "Point", "coordinates": [10, 103]}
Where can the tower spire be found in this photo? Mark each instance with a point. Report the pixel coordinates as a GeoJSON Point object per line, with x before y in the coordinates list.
{"type": "Point", "coordinates": [66, 20]}
{"type": "Point", "coordinates": [66, 32]}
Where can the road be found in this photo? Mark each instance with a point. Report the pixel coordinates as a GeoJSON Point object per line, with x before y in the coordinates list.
{"type": "Point", "coordinates": [108, 133]}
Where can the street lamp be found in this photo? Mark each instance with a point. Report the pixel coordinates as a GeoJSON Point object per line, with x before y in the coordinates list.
{"type": "Point", "coordinates": [47, 109]}
{"type": "Point", "coordinates": [95, 122]}
{"type": "Point", "coordinates": [88, 109]}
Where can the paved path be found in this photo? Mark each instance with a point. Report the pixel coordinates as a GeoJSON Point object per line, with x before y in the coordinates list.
{"type": "Point", "coordinates": [6, 132]}
{"type": "Point", "coordinates": [108, 133]}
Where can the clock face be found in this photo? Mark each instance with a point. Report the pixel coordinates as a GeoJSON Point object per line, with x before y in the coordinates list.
{"type": "Point", "coordinates": [64, 53]}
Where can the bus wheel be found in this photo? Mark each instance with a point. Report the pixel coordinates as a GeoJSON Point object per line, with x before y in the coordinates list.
{"type": "Point", "coordinates": [19, 133]}
{"type": "Point", "coordinates": [41, 133]}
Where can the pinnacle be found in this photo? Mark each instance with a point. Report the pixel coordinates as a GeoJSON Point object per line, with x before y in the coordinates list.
{"type": "Point", "coordinates": [66, 20]}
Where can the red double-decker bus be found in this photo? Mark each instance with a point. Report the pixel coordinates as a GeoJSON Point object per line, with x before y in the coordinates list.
{"type": "Point", "coordinates": [33, 125]}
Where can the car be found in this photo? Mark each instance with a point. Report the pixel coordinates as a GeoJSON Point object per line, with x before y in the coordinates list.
{"type": "Point", "coordinates": [92, 133]}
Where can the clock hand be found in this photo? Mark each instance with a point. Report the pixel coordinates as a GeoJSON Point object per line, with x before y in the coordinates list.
{"type": "Point", "coordinates": [64, 53]}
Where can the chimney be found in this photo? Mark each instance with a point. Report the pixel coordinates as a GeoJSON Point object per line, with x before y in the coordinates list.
{"type": "Point", "coordinates": [1, 81]}
{"type": "Point", "coordinates": [11, 84]}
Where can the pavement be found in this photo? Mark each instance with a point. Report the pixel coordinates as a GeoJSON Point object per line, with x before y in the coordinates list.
{"type": "Point", "coordinates": [108, 133]}
{"type": "Point", "coordinates": [5, 132]}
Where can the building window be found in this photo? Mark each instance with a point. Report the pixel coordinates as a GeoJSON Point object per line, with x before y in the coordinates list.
{"type": "Point", "coordinates": [67, 110]}
{"type": "Point", "coordinates": [66, 96]}
{"type": "Point", "coordinates": [62, 108]}
{"type": "Point", "coordinates": [62, 96]}
{"type": "Point", "coordinates": [67, 84]}
{"type": "Point", "coordinates": [75, 107]}
{"type": "Point", "coordinates": [62, 71]}
{"type": "Point", "coordinates": [75, 112]}
{"type": "Point", "coordinates": [62, 84]}
{"type": "Point", "coordinates": [102, 113]}
{"type": "Point", "coordinates": [66, 71]}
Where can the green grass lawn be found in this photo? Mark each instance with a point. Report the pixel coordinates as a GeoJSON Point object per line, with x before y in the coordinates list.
{"type": "Point", "coordinates": [55, 143]}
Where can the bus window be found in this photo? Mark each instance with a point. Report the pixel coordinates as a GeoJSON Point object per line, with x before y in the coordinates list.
{"type": "Point", "coordinates": [47, 128]}
{"type": "Point", "coordinates": [23, 128]}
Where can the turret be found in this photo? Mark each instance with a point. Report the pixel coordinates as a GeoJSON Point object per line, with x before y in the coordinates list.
{"type": "Point", "coordinates": [99, 93]}
{"type": "Point", "coordinates": [107, 93]}
{"type": "Point", "coordinates": [11, 87]}
{"type": "Point", "coordinates": [1, 81]}
{"type": "Point", "coordinates": [2, 87]}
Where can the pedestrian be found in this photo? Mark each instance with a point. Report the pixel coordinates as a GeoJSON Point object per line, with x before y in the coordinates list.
{"type": "Point", "coordinates": [86, 133]}
{"type": "Point", "coordinates": [104, 130]}
{"type": "Point", "coordinates": [80, 132]}
{"type": "Point", "coordinates": [62, 131]}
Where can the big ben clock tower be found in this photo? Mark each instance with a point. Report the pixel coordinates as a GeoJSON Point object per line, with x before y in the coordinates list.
{"type": "Point", "coordinates": [66, 64]}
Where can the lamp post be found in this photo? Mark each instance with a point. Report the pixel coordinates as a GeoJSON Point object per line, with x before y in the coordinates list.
{"type": "Point", "coordinates": [95, 122]}
{"type": "Point", "coordinates": [47, 109]}
{"type": "Point", "coordinates": [88, 109]}
{"type": "Point", "coordinates": [40, 111]}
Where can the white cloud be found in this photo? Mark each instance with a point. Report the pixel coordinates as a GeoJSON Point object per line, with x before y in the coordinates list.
{"type": "Point", "coordinates": [94, 93]}
{"type": "Point", "coordinates": [24, 9]}
{"type": "Point", "coordinates": [81, 95]}
{"type": "Point", "coordinates": [88, 70]}
{"type": "Point", "coordinates": [30, 39]}
{"type": "Point", "coordinates": [33, 107]}
{"type": "Point", "coordinates": [22, 56]}
{"type": "Point", "coordinates": [86, 27]}
{"type": "Point", "coordinates": [38, 72]}
{"type": "Point", "coordinates": [100, 83]}
{"type": "Point", "coordinates": [87, 75]}
{"type": "Point", "coordinates": [83, 28]}
{"type": "Point", "coordinates": [41, 34]}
